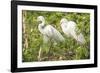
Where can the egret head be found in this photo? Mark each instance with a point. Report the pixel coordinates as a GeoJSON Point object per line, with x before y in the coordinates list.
{"type": "Point", "coordinates": [63, 20]}
{"type": "Point", "coordinates": [40, 19]}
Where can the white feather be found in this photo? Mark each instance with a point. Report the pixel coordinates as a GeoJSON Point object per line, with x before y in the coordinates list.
{"type": "Point", "coordinates": [69, 28]}
{"type": "Point", "coordinates": [49, 32]}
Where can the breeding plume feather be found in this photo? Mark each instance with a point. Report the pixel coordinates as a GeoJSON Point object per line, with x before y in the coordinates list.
{"type": "Point", "coordinates": [69, 28]}
{"type": "Point", "coordinates": [48, 31]}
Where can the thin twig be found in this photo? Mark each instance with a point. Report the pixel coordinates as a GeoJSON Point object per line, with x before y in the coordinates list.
{"type": "Point", "coordinates": [39, 54]}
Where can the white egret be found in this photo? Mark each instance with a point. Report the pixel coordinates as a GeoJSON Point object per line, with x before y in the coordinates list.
{"type": "Point", "coordinates": [69, 28]}
{"type": "Point", "coordinates": [49, 33]}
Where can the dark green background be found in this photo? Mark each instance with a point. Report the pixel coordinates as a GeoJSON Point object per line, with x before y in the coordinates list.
{"type": "Point", "coordinates": [70, 50]}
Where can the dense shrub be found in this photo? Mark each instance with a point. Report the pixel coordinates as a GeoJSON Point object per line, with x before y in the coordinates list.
{"type": "Point", "coordinates": [70, 50]}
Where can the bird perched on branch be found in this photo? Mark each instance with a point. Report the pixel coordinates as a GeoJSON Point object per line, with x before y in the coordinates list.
{"type": "Point", "coordinates": [48, 31]}
{"type": "Point", "coordinates": [50, 35]}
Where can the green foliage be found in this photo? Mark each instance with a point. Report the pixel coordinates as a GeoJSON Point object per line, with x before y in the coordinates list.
{"type": "Point", "coordinates": [69, 50]}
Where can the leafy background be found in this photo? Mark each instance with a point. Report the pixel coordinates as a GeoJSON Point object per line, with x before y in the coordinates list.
{"type": "Point", "coordinates": [33, 39]}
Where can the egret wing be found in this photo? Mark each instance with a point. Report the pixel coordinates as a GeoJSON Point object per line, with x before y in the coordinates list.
{"type": "Point", "coordinates": [56, 34]}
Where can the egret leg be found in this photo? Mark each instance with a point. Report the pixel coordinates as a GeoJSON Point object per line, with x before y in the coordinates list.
{"type": "Point", "coordinates": [50, 49]}
{"type": "Point", "coordinates": [39, 54]}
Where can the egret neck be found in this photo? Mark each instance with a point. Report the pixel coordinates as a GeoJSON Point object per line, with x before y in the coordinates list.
{"type": "Point", "coordinates": [41, 27]}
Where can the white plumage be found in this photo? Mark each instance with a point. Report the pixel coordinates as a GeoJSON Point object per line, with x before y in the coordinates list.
{"type": "Point", "coordinates": [49, 32]}
{"type": "Point", "coordinates": [69, 28]}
